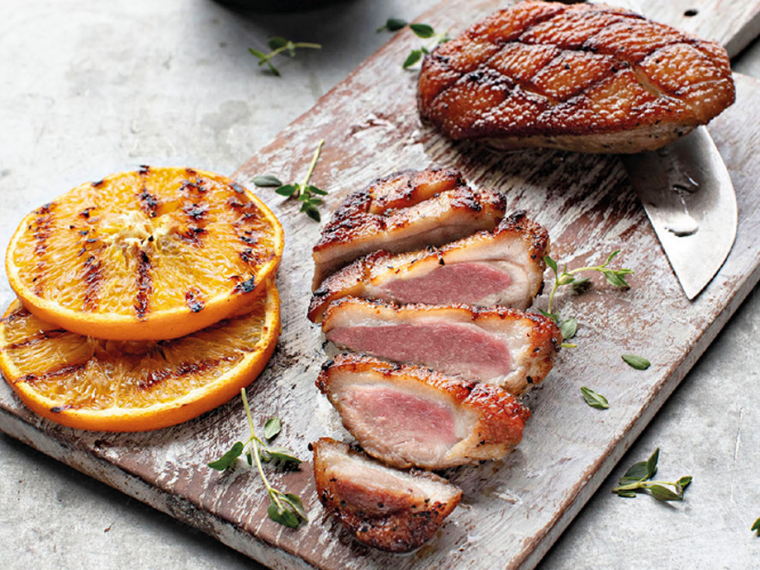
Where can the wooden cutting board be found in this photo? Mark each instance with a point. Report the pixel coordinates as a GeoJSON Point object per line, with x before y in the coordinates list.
{"type": "Point", "coordinates": [513, 509]}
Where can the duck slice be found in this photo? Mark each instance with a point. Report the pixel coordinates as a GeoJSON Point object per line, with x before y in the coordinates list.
{"type": "Point", "coordinates": [584, 77]}
{"type": "Point", "coordinates": [504, 267]}
{"type": "Point", "coordinates": [403, 212]}
{"type": "Point", "coordinates": [383, 507]}
{"type": "Point", "coordinates": [409, 416]}
{"type": "Point", "coordinates": [505, 347]}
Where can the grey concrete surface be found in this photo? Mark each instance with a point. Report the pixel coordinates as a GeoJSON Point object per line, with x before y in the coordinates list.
{"type": "Point", "coordinates": [90, 87]}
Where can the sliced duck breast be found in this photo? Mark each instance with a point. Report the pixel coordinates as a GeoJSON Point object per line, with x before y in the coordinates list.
{"type": "Point", "coordinates": [505, 347]}
{"type": "Point", "coordinates": [503, 267]}
{"type": "Point", "coordinates": [585, 77]}
{"type": "Point", "coordinates": [383, 507]}
{"type": "Point", "coordinates": [404, 212]}
{"type": "Point", "coordinates": [409, 416]}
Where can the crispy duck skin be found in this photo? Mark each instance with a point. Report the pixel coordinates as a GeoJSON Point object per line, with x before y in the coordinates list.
{"type": "Point", "coordinates": [584, 77]}
{"type": "Point", "coordinates": [504, 267]}
{"type": "Point", "coordinates": [382, 507]}
{"type": "Point", "coordinates": [403, 212]}
{"type": "Point", "coordinates": [409, 416]}
{"type": "Point", "coordinates": [504, 347]}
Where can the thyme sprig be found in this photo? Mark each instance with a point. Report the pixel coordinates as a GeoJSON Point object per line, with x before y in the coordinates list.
{"type": "Point", "coordinates": [422, 31]}
{"type": "Point", "coordinates": [284, 508]}
{"type": "Point", "coordinates": [303, 192]}
{"type": "Point", "coordinates": [615, 277]}
{"type": "Point", "coordinates": [638, 479]}
{"type": "Point", "coordinates": [279, 45]}
{"type": "Point", "coordinates": [425, 32]}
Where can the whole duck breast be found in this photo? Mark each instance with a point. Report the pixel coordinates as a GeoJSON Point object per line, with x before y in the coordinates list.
{"type": "Point", "coordinates": [582, 77]}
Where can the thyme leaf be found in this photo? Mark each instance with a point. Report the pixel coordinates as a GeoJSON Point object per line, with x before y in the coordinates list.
{"type": "Point", "coordinates": [638, 479]}
{"type": "Point", "coordinates": [637, 362]}
{"type": "Point", "coordinates": [272, 427]}
{"type": "Point", "coordinates": [302, 191]}
{"type": "Point", "coordinates": [564, 277]}
{"type": "Point", "coordinates": [284, 508]}
{"type": "Point", "coordinates": [392, 25]}
{"type": "Point", "coordinates": [279, 45]}
{"type": "Point", "coordinates": [422, 31]}
{"type": "Point", "coordinates": [594, 400]}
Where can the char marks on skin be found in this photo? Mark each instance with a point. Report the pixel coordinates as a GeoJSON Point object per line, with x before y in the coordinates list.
{"type": "Point", "coordinates": [383, 508]}
{"type": "Point", "coordinates": [403, 212]}
{"type": "Point", "coordinates": [504, 347]}
{"type": "Point", "coordinates": [409, 416]}
{"type": "Point", "coordinates": [582, 77]}
{"type": "Point", "coordinates": [503, 267]}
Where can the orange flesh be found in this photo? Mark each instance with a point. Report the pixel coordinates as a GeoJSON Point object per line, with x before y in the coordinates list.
{"type": "Point", "coordinates": [121, 385]}
{"type": "Point", "coordinates": [153, 244]}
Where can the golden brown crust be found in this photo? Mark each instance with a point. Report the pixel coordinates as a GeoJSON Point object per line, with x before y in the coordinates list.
{"type": "Point", "coordinates": [353, 280]}
{"type": "Point", "coordinates": [386, 520]}
{"type": "Point", "coordinates": [550, 74]}
{"type": "Point", "coordinates": [500, 417]}
{"type": "Point", "coordinates": [402, 211]}
{"type": "Point", "coordinates": [532, 351]}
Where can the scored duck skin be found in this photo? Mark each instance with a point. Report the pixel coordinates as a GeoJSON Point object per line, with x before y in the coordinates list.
{"type": "Point", "coordinates": [582, 77]}
{"type": "Point", "coordinates": [504, 347]}
{"type": "Point", "coordinates": [404, 212]}
{"type": "Point", "coordinates": [504, 267]}
{"type": "Point", "coordinates": [382, 507]}
{"type": "Point", "coordinates": [409, 416]}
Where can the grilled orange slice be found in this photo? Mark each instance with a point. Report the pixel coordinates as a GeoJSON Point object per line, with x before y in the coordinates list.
{"type": "Point", "coordinates": [154, 254]}
{"type": "Point", "coordinates": [108, 385]}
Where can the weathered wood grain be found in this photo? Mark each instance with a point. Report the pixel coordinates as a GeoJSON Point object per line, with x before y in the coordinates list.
{"type": "Point", "coordinates": [513, 509]}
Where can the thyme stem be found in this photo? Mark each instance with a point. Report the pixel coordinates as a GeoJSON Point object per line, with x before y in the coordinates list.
{"type": "Point", "coordinates": [313, 163]}
{"type": "Point", "coordinates": [254, 441]}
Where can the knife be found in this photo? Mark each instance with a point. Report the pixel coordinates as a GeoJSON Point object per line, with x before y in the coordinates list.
{"type": "Point", "coordinates": [689, 199]}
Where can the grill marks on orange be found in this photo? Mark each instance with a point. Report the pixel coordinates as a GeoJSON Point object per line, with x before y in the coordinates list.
{"type": "Point", "coordinates": [194, 191]}
{"type": "Point", "coordinates": [36, 339]}
{"type": "Point", "coordinates": [156, 377]}
{"type": "Point", "coordinates": [194, 300]}
{"type": "Point", "coordinates": [58, 373]}
{"type": "Point", "coordinates": [92, 276]}
{"type": "Point", "coordinates": [157, 243]}
{"type": "Point", "coordinates": [41, 228]}
{"type": "Point", "coordinates": [148, 202]}
{"type": "Point", "coordinates": [144, 284]}
{"type": "Point", "coordinates": [110, 385]}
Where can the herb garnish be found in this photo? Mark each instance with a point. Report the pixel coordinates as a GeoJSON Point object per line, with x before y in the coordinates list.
{"type": "Point", "coordinates": [756, 527]}
{"type": "Point", "coordinates": [594, 400]}
{"type": "Point", "coordinates": [392, 25]}
{"type": "Point", "coordinates": [614, 277]}
{"type": "Point", "coordinates": [638, 479]}
{"type": "Point", "coordinates": [304, 192]}
{"type": "Point", "coordinates": [284, 508]}
{"type": "Point", "coordinates": [637, 362]}
{"type": "Point", "coordinates": [422, 31]}
{"type": "Point", "coordinates": [425, 32]}
{"type": "Point", "coordinates": [279, 45]}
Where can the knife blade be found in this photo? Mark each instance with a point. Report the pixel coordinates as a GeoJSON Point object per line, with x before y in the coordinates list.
{"type": "Point", "coordinates": [689, 199]}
